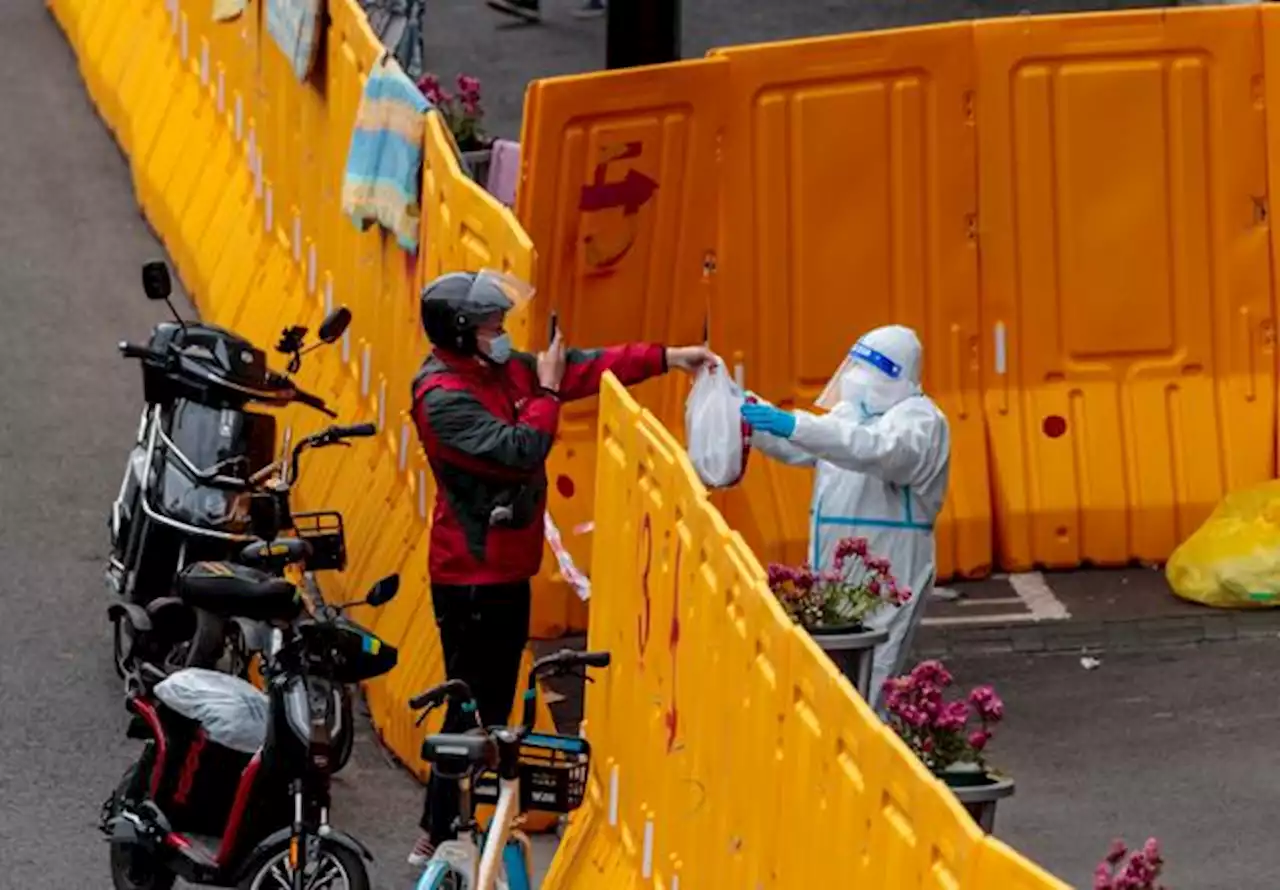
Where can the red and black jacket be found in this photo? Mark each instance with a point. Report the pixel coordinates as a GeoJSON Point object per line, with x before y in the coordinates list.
{"type": "Point", "coordinates": [487, 430]}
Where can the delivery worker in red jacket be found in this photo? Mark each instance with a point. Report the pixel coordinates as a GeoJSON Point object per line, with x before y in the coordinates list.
{"type": "Point", "coordinates": [487, 417]}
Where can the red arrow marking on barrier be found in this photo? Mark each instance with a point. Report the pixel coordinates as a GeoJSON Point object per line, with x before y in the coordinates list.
{"type": "Point", "coordinates": [632, 193]}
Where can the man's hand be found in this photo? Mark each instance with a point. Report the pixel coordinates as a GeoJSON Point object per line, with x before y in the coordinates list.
{"type": "Point", "coordinates": [689, 359]}
{"type": "Point", "coordinates": [551, 364]}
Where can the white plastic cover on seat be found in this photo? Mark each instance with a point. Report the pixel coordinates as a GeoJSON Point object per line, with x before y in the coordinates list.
{"type": "Point", "coordinates": [232, 711]}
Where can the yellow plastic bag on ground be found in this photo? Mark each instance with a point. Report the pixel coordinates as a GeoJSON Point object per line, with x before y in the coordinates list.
{"type": "Point", "coordinates": [1233, 560]}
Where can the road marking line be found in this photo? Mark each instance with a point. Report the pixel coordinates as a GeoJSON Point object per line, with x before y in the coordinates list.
{"type": "Point", "coordinates": [1016, 617]}
{"type": "Point", "coordinates": [1035, 592]}
{"type": "Point", "coordinates": [993, 601]}
{"type": "Point", "coordinates": [1032, 591]}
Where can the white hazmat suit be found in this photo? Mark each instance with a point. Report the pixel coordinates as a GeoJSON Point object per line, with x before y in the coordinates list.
{"type": "Point", "coordinates": [882, 455]}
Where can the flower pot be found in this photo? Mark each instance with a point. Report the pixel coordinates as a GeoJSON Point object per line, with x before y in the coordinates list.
{"type": "Point", "coordinates": [852, 647]}
{"type": "Point", "coordinates": [977, 790]}
{"type": "Point", "coordinates": [476, 163]}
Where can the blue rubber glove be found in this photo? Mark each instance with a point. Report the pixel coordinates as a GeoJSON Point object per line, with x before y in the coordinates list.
{"type": "Point", "coordinates": [768, 419]}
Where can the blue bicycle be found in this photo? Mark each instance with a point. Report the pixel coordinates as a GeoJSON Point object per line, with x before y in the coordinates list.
{"type": "Point", "coordinates": [514, 768]}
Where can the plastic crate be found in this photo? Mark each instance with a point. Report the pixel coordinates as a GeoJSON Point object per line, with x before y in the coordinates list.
{"type": "Point", "coordinates": [553, 774]}
{"type": "Point", "coordinates": [324, 531]}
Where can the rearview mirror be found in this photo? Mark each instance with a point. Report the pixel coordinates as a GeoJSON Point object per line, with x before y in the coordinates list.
{"type": "Point", "coordinates": [384, 591]}
{"type": "Point", "coordinates": [335, 324]}
{"type": "Point", "coordinates": [156, 283]}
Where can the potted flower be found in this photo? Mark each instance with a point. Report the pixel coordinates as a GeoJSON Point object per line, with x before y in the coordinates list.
{"type": "Point", "coordinates": [462, 113]}
{"type": "Point", "coordinates": [1139, 873]}
{"type": "Point", "coordinates": [950, 737]}
{"type": "Point", "coordinates": [833, 604]}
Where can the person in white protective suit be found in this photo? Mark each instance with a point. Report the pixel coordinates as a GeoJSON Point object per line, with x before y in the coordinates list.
{"type": "Point", "coordinates": [882, 453]}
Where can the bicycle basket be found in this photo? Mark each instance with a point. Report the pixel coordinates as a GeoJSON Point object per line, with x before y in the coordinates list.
{"type": "Point", "coordinates": [553, 774]}
{"type": "Point", "coordinates": [324, 532]}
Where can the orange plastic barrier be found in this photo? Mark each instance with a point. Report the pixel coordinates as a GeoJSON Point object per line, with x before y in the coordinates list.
{"type": "Point", "coordinates": [620, 167]}
{"type": "Point", "coordinates": [1115, 355]}
{"type": "Point", "coordinates": [727, 750]}
{"type": "Point", "coordinates": [618, 179]}
{"type": "Point", "coordinates": [1129, 360]}
{"type": "Point", "coordinates": [849, 201]}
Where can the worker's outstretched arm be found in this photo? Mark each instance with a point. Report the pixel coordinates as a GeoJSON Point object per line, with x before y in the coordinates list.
{"type": "Point", "coordinates": [903, 447]}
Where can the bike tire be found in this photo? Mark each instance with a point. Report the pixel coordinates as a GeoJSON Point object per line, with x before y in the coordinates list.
{"type": "Point", "coordinates": [441, 876]}
{"type": "Point", "coordinates": [352, 866]}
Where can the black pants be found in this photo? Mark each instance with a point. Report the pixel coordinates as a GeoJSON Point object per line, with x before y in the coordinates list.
{"type": "Point", "coordinates": [483, 631]}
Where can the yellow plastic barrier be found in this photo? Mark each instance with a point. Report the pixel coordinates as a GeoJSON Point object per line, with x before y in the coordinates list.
{"type": "Point", "coordinates": [1126, 281]}
{"type": "Point", "coordinates": [727, 750]}
{"type": "Point", "coordinates": [238, 166]}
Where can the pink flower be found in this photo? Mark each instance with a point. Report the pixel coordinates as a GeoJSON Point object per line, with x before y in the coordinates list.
{"type": "Point", "coordinates": [878, 565]}
{"type": "Point", "coordinates": [1117, 852]}
{"type": "Point", "coordinates": [978, 739]}
{"type": "Point", "coordinates": [780, 574]}
{"type": "Point", "coordinates": [469, 87]}
{"type": "Point", "coordinates": [953, 716]}
{"type": "Point", "coordinates": [429, 84]}
{"type": "Point", "coordinates": [1151, 850]}
{"type": "Point", "coordinates": [932, 671]}
{"type": "Point", "coordinates": [851, 547]}
{"type": "Point", "coordinates": [1102, 877]}
{"type": "Point", "coordinates": [903, 597]}
{"type": "Point", "coordinates": [989, 706]}
{"type": "Point", "coordinates": [874, 586]}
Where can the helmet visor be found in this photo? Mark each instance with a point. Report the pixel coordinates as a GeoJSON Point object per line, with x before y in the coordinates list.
{"type": "Point", "coordinates": [498, 292]}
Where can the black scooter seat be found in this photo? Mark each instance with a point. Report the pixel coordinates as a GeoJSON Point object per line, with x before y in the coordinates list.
{"type": "Point", "coordinates": [235, 591]}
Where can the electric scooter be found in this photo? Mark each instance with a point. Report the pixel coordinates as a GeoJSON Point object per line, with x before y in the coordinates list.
{"type": "Point", "coordinates": [183, 497]}
{"type": "Point", "coordinates": [195, 809]}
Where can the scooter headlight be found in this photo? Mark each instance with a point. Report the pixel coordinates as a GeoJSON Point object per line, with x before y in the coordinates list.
{"type": "Point", "coordinates": [311, 701]}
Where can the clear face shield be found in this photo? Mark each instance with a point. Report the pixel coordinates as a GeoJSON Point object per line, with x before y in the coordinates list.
{"type": "Point", "coordinates": [499, 291]}
{"type": "Point", "coordinates": [863, 369]}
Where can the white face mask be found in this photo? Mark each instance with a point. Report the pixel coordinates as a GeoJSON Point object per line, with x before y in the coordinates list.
{"type": "Point", "coordinates": [497, 349]}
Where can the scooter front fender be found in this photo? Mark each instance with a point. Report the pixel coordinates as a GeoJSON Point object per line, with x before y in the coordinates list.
{"type": "Point", "coordinates": [137, 617]}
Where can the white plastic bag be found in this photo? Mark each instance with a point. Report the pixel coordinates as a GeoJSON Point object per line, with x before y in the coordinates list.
{"type": "Point", "coordinates": [232, 711]}
{"type": "Point", "coordinates": [718, 442]}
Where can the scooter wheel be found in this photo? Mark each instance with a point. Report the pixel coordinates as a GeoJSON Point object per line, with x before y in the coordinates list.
{"type": "Point", "coordinates": [341, 869]}
{"type": "Point", "coordinates": [133, 868]}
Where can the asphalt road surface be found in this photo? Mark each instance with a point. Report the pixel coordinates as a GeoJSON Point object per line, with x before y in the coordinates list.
{"type": "Point", "coordinates": [1178, 744]}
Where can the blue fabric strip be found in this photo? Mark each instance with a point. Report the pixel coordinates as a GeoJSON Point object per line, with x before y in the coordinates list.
{"type": "Point", "coordinates": [876, 359]}
{"type": "Point", "coordinates": [873, 523]}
